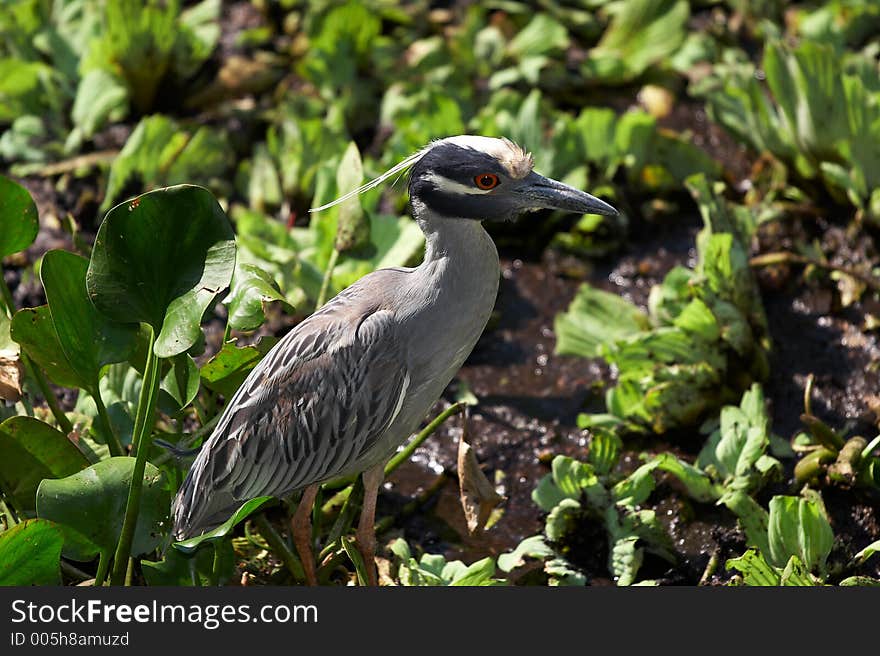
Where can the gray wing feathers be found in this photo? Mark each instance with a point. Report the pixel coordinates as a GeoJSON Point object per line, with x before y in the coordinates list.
{"type": "Point", "coordinates": [316, 403]}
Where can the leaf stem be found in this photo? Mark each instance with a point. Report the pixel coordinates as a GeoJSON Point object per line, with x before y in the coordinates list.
{"type": "Point", "coordinates": [6, 295]}
{"type": "Point", "coordinates": [215, 566]}
{"type": "Point", "coordinates": [711, 567]}
{"type": "Point", "coordinates": [103, 566]}
{"type": "Point", "coordinates": [328, 275]}
{"type": "Point", "coordinates": [404, 455]}
{"type": "Point", "coordinates": [116, 448]}
{"type": "Point", "coordinates": [140, 446]}
{"type": "Point", "coordinates": [51, 400]}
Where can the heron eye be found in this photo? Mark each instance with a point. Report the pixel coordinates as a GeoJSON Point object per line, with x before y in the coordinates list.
{"type": "Point", "coordinates": [486, 180]}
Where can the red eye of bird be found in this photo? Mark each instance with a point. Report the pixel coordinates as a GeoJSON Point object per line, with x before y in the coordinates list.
{"type": "Point", "coordinates": [486, 180]}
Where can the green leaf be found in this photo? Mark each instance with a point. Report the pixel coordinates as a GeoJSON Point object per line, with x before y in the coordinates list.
{"type": "Point", "coordinates": [547, 494]}
{"type": "Point", "coordinates": [735, 454]}
{"type": "Point", "coordinates": [625, 559]}
{"type": "Point", "coordinates": [594, 318]}
{"type": "Point", "coordinates": [100, 98]}
{"type": "Point", "coordinates": [699, 486]}
{"type": "Point", "coordinates": [755, 570]}
{"type": "Point", "coordinates": [18, 218]}
{"type": "Point", "coordinates": [400, 548]}
{"type": "Point", "coordinates": [198, 37]}
{"type": "Point", "coordinates": [596, 129]}
{"type": "Point", "coordinates": [30, 451]}
{"type": "Point", "coordinates": [531, 547]}
{"type": "Point", "coordinates": [480, 573]}
{"type": "Point", "coordinates": [160, 152]}
{"type": "Point", "coordinates": [860, 581]}
{"type": "Point", "coordinates": [181, 383]}
{"type": "Point", "coordinates": [250, 291]}
{"type": "Point", "coordinates": [799, 527]}
{"type": "Point", "coordinates": [352, 224]}
{"type": "Point", "coordinates": [867, 552]}
{"type": "Point", "coordinates": [562, 520]}
{"type": "Point", "coordinates": [752, 517]}
{"type": "Point", "coordinates": [542, 35]}
{"type": "Point", "coordinates": [563, 573]}
{"type": "Point", "coordinates": [90, 505]}
{"type": "Point", "coordinates": [244, 511]}
{"type": "Point", "coordinates": [697, 319]}
{"type": "Point", "coordinates": [226, 371]}
{"type": "Point", "coordinates": [191, 569]}
{"type": "Point", "coordinates": [635, 488]}
{"type": "Point", "coordinates": [571, 476]}
{"type": "Point", "coordinates": [161, 259]}
{"type": "Point", "coordinates": [641, 33]}
{"type": "Point", "coordinates": [30, 554]}
{"type": "Point", "coordinates": [604, 451]}
{"type": "Point", "coordinates": [88, 339]}
{"type": "Point", "coordinates": [34, 330]}
{"type": "Point", "coordinates": [796, 574]}
{"type": "Point", "coordinates": [432, 569]}
{"type": "Point", "coordinates": [807, 83]}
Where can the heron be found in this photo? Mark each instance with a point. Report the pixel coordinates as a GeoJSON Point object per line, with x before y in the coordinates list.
{"type": "Point", "coordinates": [346, 387]}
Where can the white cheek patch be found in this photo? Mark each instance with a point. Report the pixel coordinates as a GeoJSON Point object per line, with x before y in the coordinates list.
{"type": "Point", "coordinates": [452, 187]}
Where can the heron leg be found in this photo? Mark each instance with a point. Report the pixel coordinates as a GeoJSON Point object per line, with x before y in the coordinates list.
{"type": "Point", "coordinates": [301, 528]}
{"type": "Point", "coordinates": [366, 532]}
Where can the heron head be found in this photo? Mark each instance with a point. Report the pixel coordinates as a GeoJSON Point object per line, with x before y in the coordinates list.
{"type": "Point", "coordinates": [483, 178]}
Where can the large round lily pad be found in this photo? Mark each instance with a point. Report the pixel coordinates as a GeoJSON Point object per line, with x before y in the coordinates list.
{"type": "Point", "coordinates": [160, 259]}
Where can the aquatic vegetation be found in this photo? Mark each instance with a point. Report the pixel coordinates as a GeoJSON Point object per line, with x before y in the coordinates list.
{"type": "Point", "coordinates": [577, 493]}
{"type": "Point", "coordinates": [702, 342]}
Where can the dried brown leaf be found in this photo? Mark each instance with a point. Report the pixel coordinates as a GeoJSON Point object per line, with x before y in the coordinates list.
{"type": "Point", "coordinates": [478, 496]}
{"type": "Point", "coordinates": [11, 373]}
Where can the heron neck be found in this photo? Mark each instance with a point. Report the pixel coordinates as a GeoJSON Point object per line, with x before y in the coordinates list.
{"type": "Point", "coordinates": [450, 295]}
{"type": "Point", "coordinates": [459, 247]}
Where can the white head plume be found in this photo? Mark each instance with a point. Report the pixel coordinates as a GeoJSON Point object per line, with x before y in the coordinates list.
{"type": "Point", "coordinates": [375, 182]}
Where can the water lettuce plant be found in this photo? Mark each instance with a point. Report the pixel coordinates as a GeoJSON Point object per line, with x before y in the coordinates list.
{"type": "Point", "coordinates": [434, 569]}
{"type": "Point", "coordinates": [702, 342]}
{"type": "Point", "coordinates": [799, 540]}
{"type": "Point", "coordinates": [71, 68]}
{"type": "Point", "coordinates": [577, 493]}
{"type": "Point", "coordinates": [821, 117]}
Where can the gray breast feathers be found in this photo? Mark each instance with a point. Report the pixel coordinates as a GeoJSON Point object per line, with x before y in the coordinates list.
{"type": "Point", "coordinates": [316, 403]}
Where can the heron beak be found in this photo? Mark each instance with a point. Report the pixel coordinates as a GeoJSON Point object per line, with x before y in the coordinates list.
{"type": "Point", "coordinates": [543, 193]}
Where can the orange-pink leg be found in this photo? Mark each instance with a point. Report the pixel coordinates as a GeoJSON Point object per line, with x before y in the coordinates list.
{"type": "Point", "coordinates": [366, 532]}
{"type": "Point", "coordinates": [301, 528]}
